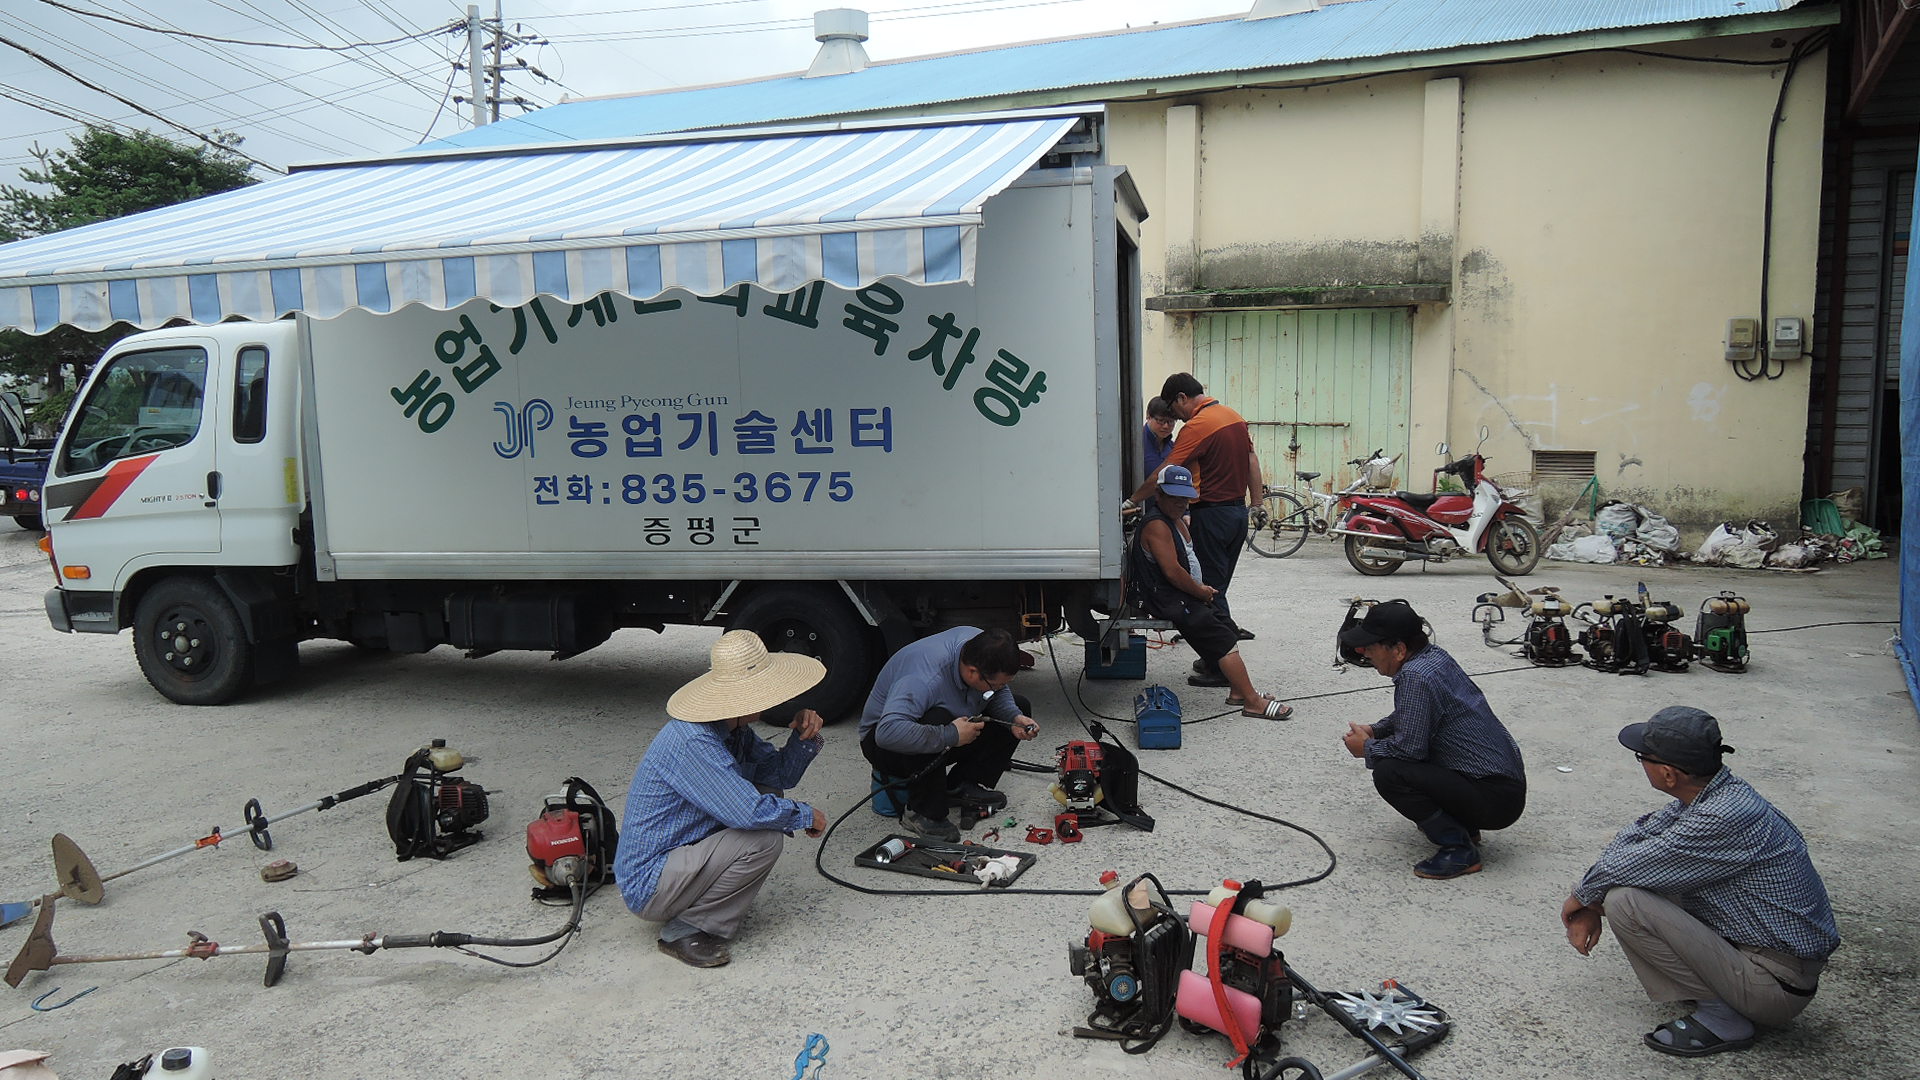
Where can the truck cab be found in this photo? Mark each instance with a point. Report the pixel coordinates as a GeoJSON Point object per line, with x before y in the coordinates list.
{"type": "Point", "coordinates": [179, 466]}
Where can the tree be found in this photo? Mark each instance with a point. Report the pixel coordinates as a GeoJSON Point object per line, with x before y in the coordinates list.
{"type": "Point", "coordinates": [104, 174]}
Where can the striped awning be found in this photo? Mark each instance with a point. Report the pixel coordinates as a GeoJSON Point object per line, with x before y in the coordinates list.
{"type": "Point", "coordinates": [705, 213]}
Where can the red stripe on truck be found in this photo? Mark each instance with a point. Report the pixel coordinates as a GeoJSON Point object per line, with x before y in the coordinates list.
{"type": "Point", "coordinates": [112, 486]}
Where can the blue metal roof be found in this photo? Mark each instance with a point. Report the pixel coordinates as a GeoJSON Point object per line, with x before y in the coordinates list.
{"type": "Point", "coordinates": [1357, 30]}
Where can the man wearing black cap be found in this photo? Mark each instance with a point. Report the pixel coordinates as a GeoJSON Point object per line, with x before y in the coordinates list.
{"type": "Point", "coordinates": [1712, 897]}
{"type": "Point", "coordinates": [1442, 759]}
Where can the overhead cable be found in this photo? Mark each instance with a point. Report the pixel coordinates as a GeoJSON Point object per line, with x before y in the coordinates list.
{"type": "Point", "coordinates": [442, 29]}
{"type": "Point", "coordinates": [137, 107]}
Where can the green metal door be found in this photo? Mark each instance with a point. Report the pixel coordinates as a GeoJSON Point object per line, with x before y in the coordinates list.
{"type": "Point", "coordinates": [1318, 387]}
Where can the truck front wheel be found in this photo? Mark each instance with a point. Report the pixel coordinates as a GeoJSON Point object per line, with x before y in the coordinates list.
{"type": "Point", "coordinates": [821, 625]}
{"type": "Point", "coordinates": [191, 644]}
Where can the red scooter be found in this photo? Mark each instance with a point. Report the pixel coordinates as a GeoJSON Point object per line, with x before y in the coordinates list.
{"type": "Point", "coordinates": [1385, 531]}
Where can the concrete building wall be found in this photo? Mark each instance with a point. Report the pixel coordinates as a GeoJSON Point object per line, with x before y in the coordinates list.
{"type": "Point", "coordinates": [1598, 218]}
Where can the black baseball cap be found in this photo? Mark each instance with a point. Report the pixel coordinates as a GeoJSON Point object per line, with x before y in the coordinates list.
{"type": "Point", "coordinates": [1391, 621]}
{"type": "Point", "coordinates": [1681, 736]}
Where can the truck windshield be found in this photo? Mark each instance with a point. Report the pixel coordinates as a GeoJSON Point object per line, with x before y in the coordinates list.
{"type": "Point", "coordinates": [143, 403]}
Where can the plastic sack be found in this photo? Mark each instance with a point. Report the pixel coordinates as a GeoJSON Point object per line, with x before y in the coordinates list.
{"type": "Point", "coordinates": [1617, 519]}
{"type": "Point", "coordinates": [1851, 502]}
{"type": "Point", "coordinates": [1742, 546]}
{"type": "Point", "coordinates": [1792, 556]}
{"type": "Point", "coordinates": [1656, 532]}
{"type": "Point", "coordinates": [1595, 548]}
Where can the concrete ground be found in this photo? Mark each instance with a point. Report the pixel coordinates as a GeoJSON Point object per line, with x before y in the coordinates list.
{"type": "Point", "coordinates": [965, 986]}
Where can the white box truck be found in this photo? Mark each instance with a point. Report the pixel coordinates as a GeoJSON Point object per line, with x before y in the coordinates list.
{"type": "Point", "coordinates": [839, 471]}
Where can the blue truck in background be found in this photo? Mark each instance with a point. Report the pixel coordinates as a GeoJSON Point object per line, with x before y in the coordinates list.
{"type": "Point", "coordinates": [23, 464]}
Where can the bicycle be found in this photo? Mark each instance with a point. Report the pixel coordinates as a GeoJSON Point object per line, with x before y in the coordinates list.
{"type": "Point", "coordinates": [1278, 527]}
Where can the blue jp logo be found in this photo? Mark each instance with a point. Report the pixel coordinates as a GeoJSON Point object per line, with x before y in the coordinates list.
{"type": "Point", "coordinates": [535, 415]}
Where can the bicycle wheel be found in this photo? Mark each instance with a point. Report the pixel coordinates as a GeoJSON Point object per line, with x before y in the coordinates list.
{"type": "Point", "coordinates": [1282, 526]}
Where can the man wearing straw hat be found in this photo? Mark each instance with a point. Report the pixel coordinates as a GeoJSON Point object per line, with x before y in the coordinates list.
{"type": "Point", "coordinates": [704, 817]}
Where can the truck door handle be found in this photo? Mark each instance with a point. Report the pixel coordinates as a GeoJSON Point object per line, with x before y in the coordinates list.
{"type": "Point", "coordinates": [213, 486]}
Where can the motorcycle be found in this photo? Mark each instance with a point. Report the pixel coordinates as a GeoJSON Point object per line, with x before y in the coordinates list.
{"type": "Point", "coordinates": [1382, 532]}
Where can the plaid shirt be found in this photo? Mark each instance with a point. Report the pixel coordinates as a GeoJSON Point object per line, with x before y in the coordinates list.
{"type": "Point", "coordinates": [1440, 717]}
{"type": "Point", "coordinates": [1733, 861]}
{"type": "Point", "coordinates": [695, 780]}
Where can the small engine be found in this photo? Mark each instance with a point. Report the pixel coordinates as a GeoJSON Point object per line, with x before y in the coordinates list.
{"type": "Point", "coordinates": [1720, 632]}
{"type": "Point", "coordinates": [574, 839]}
{"type": "Point", "coordinates": [1546, 642]}
{"type": "Point", "coordinates": [1133, 975]}
{"type": "Point", "coordinates": [432, 812]}
{"type": "Point", "coordinates": [1615, 639]}
{"type": "Point", "coordinates": [1668, 647]}
{"type": "Point", "coordinates": [1079, 784]}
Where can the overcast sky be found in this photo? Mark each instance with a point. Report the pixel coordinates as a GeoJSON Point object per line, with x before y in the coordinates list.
{"type": "Point", "coordinates": [310, 104]}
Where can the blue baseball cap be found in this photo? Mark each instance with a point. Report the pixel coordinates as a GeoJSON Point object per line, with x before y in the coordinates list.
{"type": "Point", "coordinates": [1177, 481]}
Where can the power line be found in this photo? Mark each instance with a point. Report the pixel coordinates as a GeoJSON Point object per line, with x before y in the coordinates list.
{"type": "Point", "coordinates": [165, 95]}
{"type": "Point", "coordinates": [136, 106]}
{"type": "Point", "coordinates": [237, 41]}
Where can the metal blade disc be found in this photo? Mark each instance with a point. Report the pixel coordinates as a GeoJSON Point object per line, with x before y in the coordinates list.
{"type": "Point", "coordinates": [74, 872]}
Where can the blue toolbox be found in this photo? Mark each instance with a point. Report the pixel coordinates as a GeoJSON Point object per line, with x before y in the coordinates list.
{"type": "Point", "coordinates": [1156, 719]}
{"type": "Point", "coordinates": [1128, 663]}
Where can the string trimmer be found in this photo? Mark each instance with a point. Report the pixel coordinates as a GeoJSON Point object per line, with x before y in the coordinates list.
{"type": "Point", "coordinates": [425, 824]}
{"type": "Point", "coordinates": [40, 953]}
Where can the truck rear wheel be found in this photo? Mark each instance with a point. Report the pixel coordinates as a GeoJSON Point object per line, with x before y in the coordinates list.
{"type": "Point", "coordinates": [191, 644]}
{"type": "Point", "coordinates": [29, 522]}
{"type": "Point", "coordinates": [819, 624]}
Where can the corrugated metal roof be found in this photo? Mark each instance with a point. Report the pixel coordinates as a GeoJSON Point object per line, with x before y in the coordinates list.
{"type": "Point", "coordinates": [1358, 30]}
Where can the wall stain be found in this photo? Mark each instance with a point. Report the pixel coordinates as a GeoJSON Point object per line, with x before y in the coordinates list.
{"type": "Point", "coordinates": [1512, 420]}
{"type": "Point", "coordinates": [1626, 461]}
{"type": "Point", "coordinates": [1329, 263]}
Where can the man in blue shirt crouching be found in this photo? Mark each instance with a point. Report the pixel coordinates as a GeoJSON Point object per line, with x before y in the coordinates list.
{"type": "Point", "coordinates": [705, 815]}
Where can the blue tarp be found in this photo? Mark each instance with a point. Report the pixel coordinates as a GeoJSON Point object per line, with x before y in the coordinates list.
{"type": "Point", "coordinates": [1909, 646]}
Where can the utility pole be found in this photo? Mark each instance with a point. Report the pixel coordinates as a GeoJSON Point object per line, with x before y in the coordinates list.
{"type": "Point", "coordinates": [478, 96]}
{"type": "Point", "coordinates": [499, 30]}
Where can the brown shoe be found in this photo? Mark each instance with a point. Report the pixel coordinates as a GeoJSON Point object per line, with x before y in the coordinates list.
{"type": "Point", "coordinates": [701, 950]}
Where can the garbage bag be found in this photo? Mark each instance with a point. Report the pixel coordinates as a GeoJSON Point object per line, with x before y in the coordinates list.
{"type": "Point", "coordinates": [1596, 548]}
{"type": "Point", "coordinates": [1656, 532]}
{"type": "Point", "coordinates": [1617, 519]}
{"type": "Point", "coordinates": [1792, 556]}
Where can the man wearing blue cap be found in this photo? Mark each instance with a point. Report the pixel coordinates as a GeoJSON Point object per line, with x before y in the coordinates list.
{"type": "Point", "coordinates": [1166, 573]}
{"type": "Point", "coordinates": [1712, 897]}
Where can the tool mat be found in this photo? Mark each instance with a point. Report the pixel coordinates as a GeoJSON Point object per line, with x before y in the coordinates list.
{"type": "Point", "coordinates": [940, 861]}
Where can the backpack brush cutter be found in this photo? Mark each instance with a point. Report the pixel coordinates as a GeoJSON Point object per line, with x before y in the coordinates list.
{"type": "Point", "coordinates": [420, 812]}
{"type": "Point", "coordinates": [574, 825]}
{"type": "Point", "coordinates": [1099, 782]}
{"type": "Point", "coordinates": [1546, 642]}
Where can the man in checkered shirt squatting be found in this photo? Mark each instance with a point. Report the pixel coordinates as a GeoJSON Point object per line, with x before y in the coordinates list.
{"type": "Point", "coordinates": [1712, 897]}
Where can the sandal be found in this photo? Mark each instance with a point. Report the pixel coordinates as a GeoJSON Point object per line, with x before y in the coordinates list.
{"type": "Point", "coordinates": [1274, 709]}
{"type": "Point", "coordinates": [1236, 699]}
{"type": "Point", "coordinates": [1692, 1039]}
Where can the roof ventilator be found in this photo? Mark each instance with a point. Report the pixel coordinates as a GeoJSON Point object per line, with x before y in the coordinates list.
{"type": "Point", "coordinates": [839, 32]}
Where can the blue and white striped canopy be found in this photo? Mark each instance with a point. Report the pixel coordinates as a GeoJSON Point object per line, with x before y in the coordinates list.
{"type": "Point", "coordinates": [776, 209]}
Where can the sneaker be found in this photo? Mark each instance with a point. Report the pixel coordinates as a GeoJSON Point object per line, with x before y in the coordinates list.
{"type": "Point", "coordinates": [975, 795]}
{"type": "Point", "coordinates": [932, 828]}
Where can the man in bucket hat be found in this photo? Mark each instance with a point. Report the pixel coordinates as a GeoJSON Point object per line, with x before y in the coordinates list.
{"type": "Point", "coordinates": [705, 815]}
{"type": "Point", "coordinates": [1712, 897]}
{"type": "Point", "coordinates": [1441, 758]}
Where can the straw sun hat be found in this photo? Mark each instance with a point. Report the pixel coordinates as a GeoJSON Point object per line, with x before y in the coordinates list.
{"type": "Point", "coordinates": [744, 678]}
